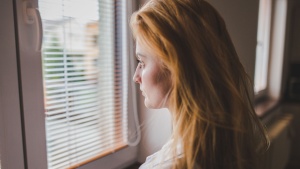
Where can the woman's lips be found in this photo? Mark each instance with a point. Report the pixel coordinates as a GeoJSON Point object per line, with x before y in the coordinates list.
{"type": "Point", "coordinates": [142, 92]}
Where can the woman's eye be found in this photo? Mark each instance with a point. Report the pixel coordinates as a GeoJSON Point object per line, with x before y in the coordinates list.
{"type": "Point", "coordinates": [140, 64]}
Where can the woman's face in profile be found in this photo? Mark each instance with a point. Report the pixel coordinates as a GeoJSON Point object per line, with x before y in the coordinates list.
{"type": "Point", "coordinates": [148, 75]}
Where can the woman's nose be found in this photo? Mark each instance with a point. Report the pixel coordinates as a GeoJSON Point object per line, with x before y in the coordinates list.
{"type": "Point", "coordinates": [136, 77]}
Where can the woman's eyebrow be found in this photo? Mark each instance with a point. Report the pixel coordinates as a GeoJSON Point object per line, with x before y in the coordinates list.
{"type": "Point", "coordinates": [139, 55]}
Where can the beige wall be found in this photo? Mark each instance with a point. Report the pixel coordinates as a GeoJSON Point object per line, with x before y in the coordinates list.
{"type": "Point", "coordinates": [292, 55]}
{"type": "Point", "coordinates": [241, 18]}
{"type": "Point", "coordinates": [295, 38]}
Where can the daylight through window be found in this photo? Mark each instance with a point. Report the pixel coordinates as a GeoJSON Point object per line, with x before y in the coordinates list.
{"type": "Point", "coordinates": [262, 48]}
{"type": "Point", "coordinates": [83, 82]}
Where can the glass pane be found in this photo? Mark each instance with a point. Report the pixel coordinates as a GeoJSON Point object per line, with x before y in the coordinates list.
{"type": "Point", "coordinates": [262, 48]}
{"type": "Point", "coordinates": [82, 91]}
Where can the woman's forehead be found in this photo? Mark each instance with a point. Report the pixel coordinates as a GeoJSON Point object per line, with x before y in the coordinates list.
{"type": "Point", "coordinates": [143, 43]}
{"type": "Point", "coordinates": [143, 50]}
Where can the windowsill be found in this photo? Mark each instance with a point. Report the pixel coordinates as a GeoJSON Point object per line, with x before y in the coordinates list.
{"type": "Point", "coordinates": [107, 152]}
{"type": "Point", "coordinates": [264, 106]}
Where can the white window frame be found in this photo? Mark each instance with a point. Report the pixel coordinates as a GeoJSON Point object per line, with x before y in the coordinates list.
{"type": "Point", "coordinates": [263, 47]}
{"type": "Point", "coordinates": [274, 55]}
{"type": "Point", "coordinates": [11, 143]}
{"type": "Point", "coordinates": [277, 49]}
{"type": "Point", "coordinates": [26, 120]}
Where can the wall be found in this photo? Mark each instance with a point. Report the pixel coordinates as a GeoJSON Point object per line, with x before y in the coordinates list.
{"type": "Point", "coordinates": [292, 53]}
{"type": "Point", "coordinates": [294, 135]}
{"type": "Point", "coordinates": [241, 18]}
{"type": "Point", "coordinates": [293, 56]}
{"type": "Point", "coordinates": [279, 127]}
{"type": "Point", "coordinates": [295, 39]}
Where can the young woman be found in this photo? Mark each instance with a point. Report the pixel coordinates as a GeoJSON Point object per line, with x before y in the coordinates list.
{"type": "Point", "coordinates": [188, 64]}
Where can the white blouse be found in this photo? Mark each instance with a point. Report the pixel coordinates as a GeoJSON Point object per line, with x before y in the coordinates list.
{"type": "Point", "coordinates": [163, 159]}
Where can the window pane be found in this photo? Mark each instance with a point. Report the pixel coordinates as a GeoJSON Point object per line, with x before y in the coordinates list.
{"type": "Point", "coordinates": [262, 48]}
{"type": "Point", "coordinates": [82, 81]}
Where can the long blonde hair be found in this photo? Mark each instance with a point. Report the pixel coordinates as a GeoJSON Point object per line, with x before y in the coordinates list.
{"type": "Point", "coordinates": [211, 97]}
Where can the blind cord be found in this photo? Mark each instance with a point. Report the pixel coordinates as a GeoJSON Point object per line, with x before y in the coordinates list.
{"type": "Point", "coordinates": [135, 111]}
{"type": "Point", "coordinates": [129, 47]}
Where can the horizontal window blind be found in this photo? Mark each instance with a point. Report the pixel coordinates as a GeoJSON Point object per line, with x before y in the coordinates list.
{"type": "Point", "coordinates": [85, 107]}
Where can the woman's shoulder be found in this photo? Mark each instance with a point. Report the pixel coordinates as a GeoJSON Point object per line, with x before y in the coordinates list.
{"type": "Point", "coordinates": [163, 159]}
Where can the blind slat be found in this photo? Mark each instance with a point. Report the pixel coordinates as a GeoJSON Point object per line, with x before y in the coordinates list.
{"type": "Point", "coordinates": [82, 140]}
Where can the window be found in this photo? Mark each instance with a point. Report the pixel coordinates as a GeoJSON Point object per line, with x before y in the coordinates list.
{"type": "Point", "coordinates": [83, 81]}
{"type": "Point", "coordinates": [74, 95]}
{"type": "Point", "coordinates": [270, 54]}
{"type": "Point", "coordinates": [262, 48]}
{"type": "Point", "coordinates": [11, 146]}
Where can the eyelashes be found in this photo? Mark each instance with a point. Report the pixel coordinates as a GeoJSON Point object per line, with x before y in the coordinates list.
{"type": "Point", "coordinates": [140, 63]}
